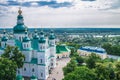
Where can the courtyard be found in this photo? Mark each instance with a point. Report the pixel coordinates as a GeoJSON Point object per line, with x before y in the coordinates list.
{"type": "Point", "coordinates": [57, 73]}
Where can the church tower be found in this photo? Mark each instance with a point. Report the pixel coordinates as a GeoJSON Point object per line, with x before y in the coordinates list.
{"type": "Point", "coordinates": [4, 40]}
{"type": "Point", "coordinates": [19, 29]}
{"type": "Point", "coordinates": [52, 49]}
{"type": "Point", "coordinates": [26, 45]}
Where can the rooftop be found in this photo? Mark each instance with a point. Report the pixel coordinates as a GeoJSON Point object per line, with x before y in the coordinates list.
{"type": "Point", "coordinates": [93, 49]}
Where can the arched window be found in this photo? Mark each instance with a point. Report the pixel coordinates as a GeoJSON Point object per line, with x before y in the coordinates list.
{"type": "Point", "coordinates": [27, 45]}
{"type": "Point", "coordinates": [33, 70]}
{"type": "Point", "coordinates": [40, 60]}
{"type": "Point", "coordinates": [24, 69]}
{"type": "Point", "coordinates": [41, 74]}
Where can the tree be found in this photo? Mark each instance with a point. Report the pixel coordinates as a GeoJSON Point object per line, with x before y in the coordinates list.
{"type": "Point", "coordinates": [104, 72]}
{"type": "Point", "coordinates": [92, 59]}
{"type": "Point", "coordinates": [70, 67]}
{"type": "Point", "coordinates": [80, 60]}
{"type": "Point", "coordinates": [118, 71]}
{"type": "Point", "coordinates": [81, 73]}
{"type": "Point", "coordinates": [7, 69]}
{"type": "Point", "coordinates": [13, 53]}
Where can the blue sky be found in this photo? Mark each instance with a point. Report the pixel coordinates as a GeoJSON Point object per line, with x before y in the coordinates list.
{"type": "Point", "coordinates": [61, 13]}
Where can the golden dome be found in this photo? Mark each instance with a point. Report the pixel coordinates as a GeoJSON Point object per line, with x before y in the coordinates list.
{"type": "Point", "coordinates": [20, 11]}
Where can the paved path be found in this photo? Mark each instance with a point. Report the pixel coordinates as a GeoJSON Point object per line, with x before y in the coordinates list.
{"type": "Point", "coordinates": [57, 72]}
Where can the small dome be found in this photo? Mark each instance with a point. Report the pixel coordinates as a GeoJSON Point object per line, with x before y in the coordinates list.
{"type": "Point", "coordinates": [19, 17]}
{"type": "Point", "coordinates": [35, 36]}
{"type": "Point", "coordinates": [4, 38]}
{"type": "Point", "coordinates": [19, 77]}
{"type": "Point", "coordinates": [41, 33]}
{"type": "Point", "coordinates": [19, 28]}
{"type": "Point", "coordinates": [33, 78]}
{"type": "Point", "coordinates": [42, 40]}
{"type": "Point", "coordinates": [26, 39]}
{"type": "Point", "coordinates": [51, 37]}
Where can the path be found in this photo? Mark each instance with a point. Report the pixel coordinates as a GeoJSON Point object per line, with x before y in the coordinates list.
{"type": "Point", "coordinates": [57, 72]}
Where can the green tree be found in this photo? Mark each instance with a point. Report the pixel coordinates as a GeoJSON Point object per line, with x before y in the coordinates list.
{"type": "Point", "coordinates": [80, 60]}
{"type": "Point", "coordinates": [92, 59]}
{"type": "Point", "coordinates": [81, 73]}
{"type": "Point", "coordinates": [70, 67]}
{"type": "Point", "coordinates": [118, 70]}
{"type": "Point", "coordinates": [104, 72]}
{"type": "Point", "coordinates": [14, 54]}
{"type": "Point", "coordinates": [7, 69]}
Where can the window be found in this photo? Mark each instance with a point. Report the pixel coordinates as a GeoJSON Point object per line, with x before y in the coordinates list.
{"type": "Point", "coordinates": [51, 64]}
{"type": "Point", "coordinates": [41, 74]}
{"type": "Point", "coordinates": [20, 38]}
{"type": "Point", "coordinates": [33, 70]}
{"type": "Point", "coordinates": [27, 45]}
{"type": "Point", "coordinates": [24, 45]}
{"type": "Point", "coordinates": [24, 69]}
{"type": "Point", "coordinates": [40, 60]}
{"type": "Point", "coordinates": [51, 59]}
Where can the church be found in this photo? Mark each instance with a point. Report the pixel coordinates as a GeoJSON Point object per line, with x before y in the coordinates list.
{"type": "Point", "coordinates": [39, 51]}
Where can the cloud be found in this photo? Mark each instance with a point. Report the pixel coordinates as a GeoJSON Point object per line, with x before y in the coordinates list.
{"type": "Point", "coordinates": [62, 13]}
{"type": "Point", "coordinates": [52, 4]}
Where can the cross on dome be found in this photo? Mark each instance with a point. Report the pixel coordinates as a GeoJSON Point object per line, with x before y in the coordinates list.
{"type": "Point", "coordinates": [20, 11]}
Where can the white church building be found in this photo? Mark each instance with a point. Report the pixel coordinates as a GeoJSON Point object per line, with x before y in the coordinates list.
{"type": "Point", "coordinates": [39, 51]}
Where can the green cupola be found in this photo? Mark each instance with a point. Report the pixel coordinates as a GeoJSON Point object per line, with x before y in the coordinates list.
{"type": "Point", "coordinates": [33, 78]}
{"type": "Point", "coordinates": [26, 38]}
{"type": "Point", "coordinates": [19, 77]}
{"type": "Point", "coordinates": [20, 27]}
{"type": "Point", "coordinates": [52, 36]}
{"type": "Point", "coordinates": [42, 38]}
{"type": "Point", "coordinates": [4, 38]}
{"type": "Point", "coordinates": [36, 35]}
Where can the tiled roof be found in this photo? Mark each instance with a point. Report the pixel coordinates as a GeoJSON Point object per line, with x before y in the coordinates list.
{"type": "Point", "coordinates": [93, 49]}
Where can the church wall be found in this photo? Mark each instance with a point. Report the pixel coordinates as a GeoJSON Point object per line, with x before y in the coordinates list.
{"type": "Point", "coordinates": [28, 55]}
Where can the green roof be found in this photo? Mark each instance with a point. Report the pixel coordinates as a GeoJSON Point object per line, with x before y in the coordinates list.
{"type": "Point", "coordinates": [33, 77]}
{"type": "Point", "coordinates": [34, 61]}
{"type": "Point", "coordinates": [61, 48]}
{"type": "Point", "coordinates": [52, 37]}
{"type": "Point", "coordinates": [19, 17]}
{"type": "Point", "coordinates": [36, 36]}
{"type": "Point", "coordinates": [19, 28]}
{"type": "Point", "coordinates": [26, 39]}
{"type": "Point", "coordinates": [41, 33]}
{"type": "Point", "coordinates": [4, 38]}
{"type": "Point", "coordinates": [19, 77]}
{"type": "Point", "coordinates": [42, 40]}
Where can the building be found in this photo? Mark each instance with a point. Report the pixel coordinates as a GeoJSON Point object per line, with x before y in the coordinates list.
{"type": "Point", "coordinates": [87, 50]}
{"type": "Point", "coordinates": [39, 51]}
{"type": "Point", "coordinates": [62, 51]}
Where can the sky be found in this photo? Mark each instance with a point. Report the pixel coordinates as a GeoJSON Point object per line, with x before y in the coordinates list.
{"type": "Point", "coordinates": [61, 13]}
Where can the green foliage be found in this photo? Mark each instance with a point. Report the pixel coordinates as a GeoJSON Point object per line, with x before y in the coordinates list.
{"type": "Point", "coordinates": [80, 60]}
{"type": "Point", "coordinates": [81, 73]}
{"type": "Point", "coordinates": [104, 72]}
{"type": "Point", "coordinates": [112, 49]}
{"type": "Point", "coordinates": [7, 69]}
{"type": "Point", "coordinates": [13, 53]}
{"type": "Point", "coordinates": [92, 59]}
{"type": "Point", "coordinates": [118, 70]}
{"type": "Point", "coordinates": [70, 67]}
